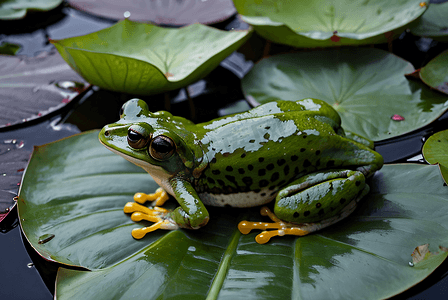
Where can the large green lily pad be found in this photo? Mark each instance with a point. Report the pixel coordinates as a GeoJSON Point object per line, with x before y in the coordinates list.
{"type": "Point", "coordinates": [366, 86]}
{"type": "Point", "coordinates": [433, 23]}
{"type": "Point", "coordinates": [145, 59]}
{"type": "Point", "coordinates": [435, 151]}
{"type": "Point", "coordinates": [435, 73]}
{"type": "Point", "coordinates": [17, 9]}
{"type": "Point", "coordinates": [70, 209]}
{"type": "Point", "coordinates": [323, 23]}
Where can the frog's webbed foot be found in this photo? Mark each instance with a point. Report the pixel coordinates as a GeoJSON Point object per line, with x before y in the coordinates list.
{"type": "Point", "coordinates": [160, 216]}
{"type": "Point", "coordinates": [285, 228]}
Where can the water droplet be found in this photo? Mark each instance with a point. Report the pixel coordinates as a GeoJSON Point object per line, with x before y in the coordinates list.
{"type": "Point", "coordinates": [4, 174]}
{"type": "Point", "coordinates": [45, 238]}
{"type": "Point", "coordinates": [411, 264]}
{"type": "Point", "coordinates": [397, 118]}
{"type": "Point", "coordinates": [70, 85]}
{"type": "Point", "coordinates": [30, 265]}
{"type": "Point", "coordinates": [192, 248]}
{"type": "Point", "coordinates": [127, 14]}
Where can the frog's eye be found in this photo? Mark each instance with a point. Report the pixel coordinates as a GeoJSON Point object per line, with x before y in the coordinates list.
{"type": "Point", "coordinates": [162, 147]}
{"type": "Point", "coordinates": [136, 140]}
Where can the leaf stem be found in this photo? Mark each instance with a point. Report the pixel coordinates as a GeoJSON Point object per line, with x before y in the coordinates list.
{"type": "Point", "coordinates": [223, 268]}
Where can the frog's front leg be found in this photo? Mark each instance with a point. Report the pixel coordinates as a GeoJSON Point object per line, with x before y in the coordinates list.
{"type": "Point", "coordinates": [311, 203]}
{"type": "Point", "coordinates": [190, 214]}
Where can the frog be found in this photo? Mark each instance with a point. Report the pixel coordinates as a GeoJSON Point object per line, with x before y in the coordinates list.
{"type": "Point", "coordinates": [292, 152]}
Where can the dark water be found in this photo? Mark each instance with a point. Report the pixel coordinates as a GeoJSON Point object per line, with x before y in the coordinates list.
{"type": "Point", "coordinates": [18, 279]}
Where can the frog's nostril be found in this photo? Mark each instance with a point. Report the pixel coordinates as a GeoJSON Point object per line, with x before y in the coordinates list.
{"type": "Point", "coordinates": [106, 133]}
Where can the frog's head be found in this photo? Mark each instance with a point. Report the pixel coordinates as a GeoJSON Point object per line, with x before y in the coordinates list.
{"type": "Point", "coordinates": [158, 142]}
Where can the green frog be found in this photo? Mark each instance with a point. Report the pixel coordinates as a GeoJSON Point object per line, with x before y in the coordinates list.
{"type": "Point", "coordinates": [294, 152]}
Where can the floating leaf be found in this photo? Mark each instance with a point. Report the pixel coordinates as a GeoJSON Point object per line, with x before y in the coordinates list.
{"type": "Point", "coordinates": [172, 12]}
{"type": "Point", "coordinates": [329, 23]}
{"type": "Point", "coordinates": [435, 151]}
{"type": "Point", "coordinates": [34, 87]}
{"type": "Point", "coordinates": [435, 73]}
{"type": "Point", "coordinates": [366, 86]}
{"type": "Point", "coordinates": [146, 59]}
{"type": "Point", "coordinates": [72, 197]}
{"type": "Point", "coordinates": [17, 9]}
{"type": "Point", "coordinates": [433, 23]}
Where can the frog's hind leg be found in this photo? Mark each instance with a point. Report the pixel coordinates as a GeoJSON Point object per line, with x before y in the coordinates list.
{"type": "Point", "coordinates": [321, 199]}
{"type": "Point", "coordinates": [285, 228]}
{"type": "Point", "coordinates": [156, 214]}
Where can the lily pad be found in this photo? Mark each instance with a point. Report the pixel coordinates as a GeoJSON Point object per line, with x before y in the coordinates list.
{"type": "Point", "coordinates": [34, 87]}
{"type": "Point", "coordinates": [17, 9]}
{"type": "Point", "coordinates": [168, 12]}
{"type": "Point", "coordinates": [329, 23]}
{"type": "Point", "coordinates": [435, 151]}
{"type": "Point", "coordinates": [145, 59]}
{"type": "Point", "coordinates": [366, 86]}
{"type": "Point", "coordinates": [433, 23]}
{"type": "Point", "coordinates": [435, 73]}
{"type": "Point", "coordinates": [70, 209]}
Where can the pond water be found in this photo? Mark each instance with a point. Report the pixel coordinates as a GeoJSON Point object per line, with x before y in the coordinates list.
{"type": "Point", "coordinates": [19, 277]}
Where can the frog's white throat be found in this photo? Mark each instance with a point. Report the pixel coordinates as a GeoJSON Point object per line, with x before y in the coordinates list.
{"type": "Point", "coordinates": [159, 175]}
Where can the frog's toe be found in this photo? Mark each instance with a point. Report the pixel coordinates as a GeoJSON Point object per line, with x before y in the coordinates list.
{"type": "Point", "coordinates": [281, 228]}
{"type": "Point", "coordinates": [139, 233]}
{"type": "Point", "coordinates": [159, 197]}
{"type": "Point", "coordinates": [160, 216]}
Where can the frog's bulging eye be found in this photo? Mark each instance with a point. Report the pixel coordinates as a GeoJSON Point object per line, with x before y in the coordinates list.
{"type": "Point", "coordinates": [137, 140]}
{"type": "Point", "coordinates": [161, 147]}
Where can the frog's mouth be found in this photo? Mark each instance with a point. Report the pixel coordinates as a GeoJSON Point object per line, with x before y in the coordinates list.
{"type": "Point", "coordinates": [160, 176]}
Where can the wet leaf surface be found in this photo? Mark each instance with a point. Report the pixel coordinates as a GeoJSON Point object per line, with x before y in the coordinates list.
{"type": "Point", "coordinates": [327, 24]}
{"type": "Point", "coordinates": [435, 151]}
{"type": "Point", "coordinates": [433, 23]}
{"type": "Point", "coordinates": [34, 87]}
{"type": "Point", "coordinates": [150, 60]}
{"type": "Point", "coordinates": [366, 86]}
{"type": "Point", "coordinates": [168, 12]}
{"type": "Point", "coordinates": [70, 207]}
{"type": "Point", "coordinates": [17, 9]}
{"type": "Point", "coordinates": [13, 160]}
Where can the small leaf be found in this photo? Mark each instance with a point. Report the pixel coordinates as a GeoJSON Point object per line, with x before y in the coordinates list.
{"type": "Point", "coordinates": [435, 151]}
{"type": "Point", "coordinates": [17, 9]}
{"type": "Point", "coordinates": [366, 86]}
{"type": "Point", "coordinates": [435, 73]}
{"type": "Point", "coordinates": [9, 48]}
{"type": "Point", "coordinates": [433, 23]}
{"type": "Point", "coordinates": [34, 87]}
{"type": "Point", "coordinates": [169, 12]}
{"type": "Point", "coordinates": [423, 258]}
{"type": "Point", "coordinates": [329, 23]}
{"type": "Point", "coordinates": [145, 59]}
